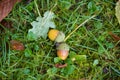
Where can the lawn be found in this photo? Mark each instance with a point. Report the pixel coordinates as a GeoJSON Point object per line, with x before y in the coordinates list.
{"type": "Point", "coordinates": [89, 27]}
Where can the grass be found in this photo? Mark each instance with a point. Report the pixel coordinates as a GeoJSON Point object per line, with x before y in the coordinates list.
{"type": "Point", "coordinates": [91, 39]}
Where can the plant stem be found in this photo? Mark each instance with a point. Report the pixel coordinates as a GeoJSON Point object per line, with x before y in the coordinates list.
{"type": "Point", "coordinates": [37, 8]}
{"type": "Point", "coordinates": [79, 27]}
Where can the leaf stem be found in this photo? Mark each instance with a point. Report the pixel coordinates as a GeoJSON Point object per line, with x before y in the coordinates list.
{"type": "Point", "coordinates": [79, 27]}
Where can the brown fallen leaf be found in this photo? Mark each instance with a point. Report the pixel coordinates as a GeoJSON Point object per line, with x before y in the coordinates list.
{"type": "Point", "coordinates": [6, 6]}
{"type": "Point", "coordinates": [60, 65]}
{"type": "Point", "coordinates": [114, 36]}
{"type": "Point", "coordinates": [16, 45]}
{"type": "Point", "coordinates": [7, 24]}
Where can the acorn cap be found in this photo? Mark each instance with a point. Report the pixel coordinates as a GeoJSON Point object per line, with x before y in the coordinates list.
{"type": "Point", "coordinates": [60, 37]}
{"type": "Point", "coordinates": [63, 46]}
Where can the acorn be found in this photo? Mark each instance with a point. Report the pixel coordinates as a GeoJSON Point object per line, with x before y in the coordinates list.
{"type": "Point", "coordinates": [63, 51]}
{"type": "Point", "coordinates": [56, 35]}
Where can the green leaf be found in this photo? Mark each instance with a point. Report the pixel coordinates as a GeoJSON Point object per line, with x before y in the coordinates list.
{"type": "Point", "coordinates": [57, 59]}
{"type": "Point", "coordinates": [42, 24]}
{"type": "Point", "coordinates": [31, 36]}
{"type": "Point", "coordinates": [69, 61]}
{"type": "Point", "coordinates": [75, 57]}
{"type": "Point", "coordinates": [26, 71]}
{"type": "Point", "coordinates": [109, 45]}
{"type": "Point", "coordinates": [28, 53]}
{"type": "Point", "coordinates": [52, 71]}
{"type": "Point", "coordinates": [72, 54]}
{"type": "Point", "coordinates": [98, 24]}
{"type": "Point", "coordinates": [92, 7]}
{"type": "Point", "coordinates": [36, 47]}
{"type": "Point", "coordinates": [96, 61]}
{"type": "Point", "coordinates": [100, 50]}
{"type": "Point", "coordinates": [65, 4]}
{"type": "Point", "coordinates": [79, 58]}
{"type": "Point", "coordinates": [117, 11]}
{"type": "Point", "coordinates": [30, 6]}
{"type": "Point", "coordinates": [69, 69]}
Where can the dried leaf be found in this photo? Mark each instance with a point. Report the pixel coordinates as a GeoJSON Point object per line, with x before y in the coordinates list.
{"type": "Point", "coordinates": [16, 45]}
{"type": "Point", "coordinates": [42, 24]}
{"type": "Point", "coordinates": [6, 6]}
{"type": "Point", "coordinates": [117, 11]}
{"type": "Point", "coordinates": [115, 37]}
{"type": "Point", "coordinates": [7, 24]}
{"type": "Point", "coordinates": [60, 65]}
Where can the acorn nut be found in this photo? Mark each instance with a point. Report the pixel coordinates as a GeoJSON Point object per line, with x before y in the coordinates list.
{"type": "Point", "coordinates": [55, 35]}
{"type": "Point", "coordinates": [63, 51]}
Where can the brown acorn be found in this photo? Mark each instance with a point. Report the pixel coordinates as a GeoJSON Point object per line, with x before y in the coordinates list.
{"type": "Point", "coordinates": [56, 35]}
{"type": "Point", "coordinates": [63, 51]}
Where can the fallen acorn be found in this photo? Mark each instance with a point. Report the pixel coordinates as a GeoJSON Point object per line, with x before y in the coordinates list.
{"type": "Point", "coordinates": [63, 51]}
{"type": "Point", "coordinates": [56, 35]}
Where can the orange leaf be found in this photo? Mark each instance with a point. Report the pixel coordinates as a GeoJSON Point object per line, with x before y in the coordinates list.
{"type": "Point", "coordinates": [6, 6]}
